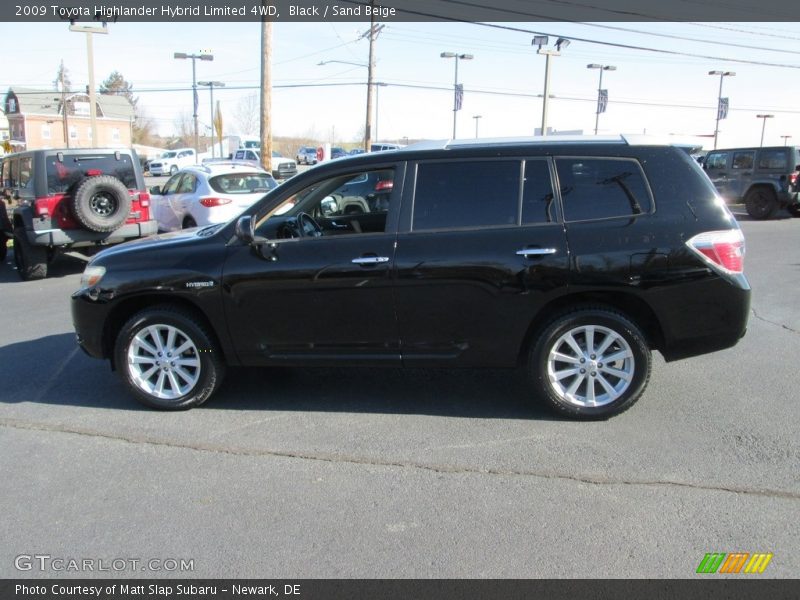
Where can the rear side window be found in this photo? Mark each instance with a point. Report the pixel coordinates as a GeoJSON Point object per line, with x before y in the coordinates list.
{"type": "Point", "coordinates": [461, 194]}
{"type": "Point", "coordinates": [593, 188]}
{"type": "Point", "coordinates": [242, 183]}
{"type": "Point", "coordinates": [773, 159]}
{"type": "Point", "coordinates": [62, 175]}
{"type": "Point", "coordinates": [717, 160]}
{"type": "Point", "coordinates": [743, 160]}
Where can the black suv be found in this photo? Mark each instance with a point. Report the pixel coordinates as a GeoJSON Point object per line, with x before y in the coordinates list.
{"type": "Point", "coordinates": [71, 199]}
{"type": "Point", "coordinates": [765, 179]}
{"type": "Point", "coordinates": [574, 259]}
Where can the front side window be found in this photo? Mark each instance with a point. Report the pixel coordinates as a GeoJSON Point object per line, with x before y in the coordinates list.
{"type": "Point", "coordinates": [188, 184]}
{"type": "Point", "coordinates": [171, 185]}
{"type": "Point", "coordinates": [462, 194]}
{"type": "Point", "coordinates": [598, 188]}
{"type": "Point", "coordinates": [352, 203]}
{"type": "Point", "coordinates": [717, 160]}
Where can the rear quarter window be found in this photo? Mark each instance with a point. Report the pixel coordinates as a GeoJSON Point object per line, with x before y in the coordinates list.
{"type": "Point", "coordinates": [773, 159]}
{"type": "Point", "coordinates": [601, 188]}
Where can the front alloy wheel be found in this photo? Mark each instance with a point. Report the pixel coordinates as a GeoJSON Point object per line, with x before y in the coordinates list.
{"type": "Point", "coordinates": [590, 363]}
{"type": "Point", "coordinates": [168, 359]}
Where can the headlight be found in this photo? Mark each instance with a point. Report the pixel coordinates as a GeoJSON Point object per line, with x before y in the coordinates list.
{"type": "Point", "coordinates": [92, 276]}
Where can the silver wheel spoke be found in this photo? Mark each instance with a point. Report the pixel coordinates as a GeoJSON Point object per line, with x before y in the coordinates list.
{"type": "Point", "coordinates": [148, 374]}
{"type": "Point", "coordinates": [187, 362]}
{"type": "Point", "coordinates": [589, 339]}
{"type": "Point", "coordinates": [142, 360]}
{"type": "Point", "coordinates": [173, 382]}
{"type": "Point", "coordinates": [160, 383]}
{"type": "Point", "coordinates": [574, 345]}
{"type": "Point", "coordinates": [187, 377]}
{"type": "Point", "coordinates": [590, 396]}
{"type": "Point", "coordinates": [170, 340]}
{"type": "Point", "coordinates": [156, 337]}
{"type": "Point", "coordinates": [575, 385]}
{"type": "Point", "coordinates": [617, 373]}
{"type": "Point", "coordinates": [606, 343]}
{"type": "Point", "coordinates": [141, 343]}
{"type": "Point", "coordinates": [183, 347]}
{"type": "Point", "coordinates": [559, 375]}
{"type": "Point", "coordinates": [607, 386]}
{"type": "Point", "coordinates": [621, 355]}
{"type": "Point", "coordinates": [561, 357]}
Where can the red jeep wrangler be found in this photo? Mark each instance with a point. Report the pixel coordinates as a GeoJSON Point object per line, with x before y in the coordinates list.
{"type": "Point", "coordinates": [80, 198]}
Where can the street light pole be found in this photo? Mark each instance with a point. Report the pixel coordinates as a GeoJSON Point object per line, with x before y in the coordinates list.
{"type": "Point", "coordinates": [89, 31]}
{"type": "Point", "coordinates": [456, 106]}
{"type": "Point", "coordinates": [539, 41]}
{"type": "Point", "coordinates": [477, 118]}
{"type": "Point", "coordinates": [194, 57]}
{"type": "Point", "coordinates": [763, 125]}
{"type": "Point", "coordinates": [719, 100]}
{"type": "Point", "coordinates": [785, 139]}
{"type": "Point", "coordinates": [601, 68]}
{"type": "Point", "coordinates": [210, 85]}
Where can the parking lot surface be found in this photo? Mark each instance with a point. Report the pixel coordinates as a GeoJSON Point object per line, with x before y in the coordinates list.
{"type": "Point", "coordinates": [390, 473]}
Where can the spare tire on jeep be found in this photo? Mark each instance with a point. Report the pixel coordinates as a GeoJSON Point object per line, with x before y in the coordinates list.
{"type": "Point", "coordinates": [101, 203]}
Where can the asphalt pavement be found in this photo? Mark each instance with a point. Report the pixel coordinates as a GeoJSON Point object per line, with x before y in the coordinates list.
{"type": "Point", "coordinates": [389, 473]}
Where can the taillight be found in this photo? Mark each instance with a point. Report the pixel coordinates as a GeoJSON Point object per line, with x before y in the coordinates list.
{"type": "Point", "coordinates": [793, 178]}
{"type": "Point", "coordinates": [722, 250]}
{"type": "Point", "coordinates": [42, 207]}
{"type": "Point", "coordinates": [93, 172]}
{"type": "Point", "coordinates": [210, 202]}
{"type": "Point", "coordinates": [144, 199]}
{"type": "Point", "coordinates": [384, 186]}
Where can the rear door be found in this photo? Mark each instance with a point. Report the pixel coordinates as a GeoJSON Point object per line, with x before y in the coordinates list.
{"type": "Point", "coordinates": [717, 168]}
{"type": "Point", "coordinates": [742, 165]}
{"type": "Point", "coordinates": [481, 249]}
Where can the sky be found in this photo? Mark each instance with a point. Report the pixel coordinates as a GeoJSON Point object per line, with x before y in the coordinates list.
{"type": "Point", "coordinates": [668, 92]}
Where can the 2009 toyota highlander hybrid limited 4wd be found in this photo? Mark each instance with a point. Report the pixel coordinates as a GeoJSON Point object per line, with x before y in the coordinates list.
{"type": "Point", "coordinates": [573, 257]}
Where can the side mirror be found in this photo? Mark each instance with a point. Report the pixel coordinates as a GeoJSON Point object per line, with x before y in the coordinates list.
{"type": "Point", "coordinates": [245, 230]}
{"type": "Point", "coordinates": [155, 190]}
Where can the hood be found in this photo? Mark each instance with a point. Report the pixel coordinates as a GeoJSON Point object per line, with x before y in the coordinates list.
{"type": "Point", "coordinates": [163, 240]}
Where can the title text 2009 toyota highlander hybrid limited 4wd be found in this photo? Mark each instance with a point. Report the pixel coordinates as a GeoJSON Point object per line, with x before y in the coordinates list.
{"type": "Point", "coordinates": [574, 258]}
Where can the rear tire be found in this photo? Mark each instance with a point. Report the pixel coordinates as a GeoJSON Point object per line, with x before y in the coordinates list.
{"type": "Point", "coordinates": [168, 359]}
{"type": "Point", "coordinates": [172, 170]}
{"type": "Point", "coordinates": [188, 223]}
{"type": "Point", "coordinates": [590, 363]}
{"type": "Point", "coordinates": [761, 203]}
{"type": "Point", "coordinates": [31, 261]}
{"type": "Point", "coordinates": [794, 209]}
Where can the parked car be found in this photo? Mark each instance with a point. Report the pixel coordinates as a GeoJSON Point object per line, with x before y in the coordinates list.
{"type": "Point", "coordinates": [80, 198]}
{"type": "Point", "coordinates": [355, 152]}
{"type": "Point", "coordinates": [382, 146]}
{"type": "Point", "coordinates": [765, 179]}
{"type": "Point", "coordinates": [575, 259]}
{"type": "Point", "coordinates": [172, 161]}
{"type": "Point", "coordinates": [307, 155]}
{"type": "Point", "coordinates": [209, 194]}
{"type": "Point", "coordinates": [337, 152]}
{"type": "Point", "coordinates": [282, 167]}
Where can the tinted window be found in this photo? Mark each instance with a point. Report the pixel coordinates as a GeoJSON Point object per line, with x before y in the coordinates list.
{"type": "Point", "coordinates": [594, 188]}
{"type": "Point", "coordinates": [242, 183]}
{"type": "Point", "coordinates": [538, 204]}
{"type": "Point", "coordinates": [62, 175]}
{"type": "Point", "coordinates": [718, 160]}
{"type": "Point", "coordinates": [743, 160]}
{"type": "Point", "coordinates": [773, 159]}
{"type": "Point", "coordinates": [466, 194]}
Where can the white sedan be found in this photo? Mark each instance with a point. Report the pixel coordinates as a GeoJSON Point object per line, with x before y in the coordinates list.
{"type": "Point", "coordinates": [205, 195]}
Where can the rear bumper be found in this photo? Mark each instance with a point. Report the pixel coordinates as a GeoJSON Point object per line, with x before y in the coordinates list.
{"type": "Point", "coordinates": [83, 237]}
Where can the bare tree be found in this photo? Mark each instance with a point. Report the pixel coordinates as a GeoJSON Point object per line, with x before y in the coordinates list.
{"type": "Point", "coordinates": [62, 74]}
{"type": "Point", "coordinates": [247, 116]}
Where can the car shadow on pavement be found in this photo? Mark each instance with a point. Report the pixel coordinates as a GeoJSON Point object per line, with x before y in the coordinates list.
{"type": "Point", "coordinates": [62, 266]}
{"type": "Point", "coordinates": [53, 370]}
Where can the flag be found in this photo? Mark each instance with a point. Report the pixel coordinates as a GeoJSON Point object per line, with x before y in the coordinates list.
{"type": "Point", "coordinates": [218, 122]}
{"type": "Point", "coordinates": [722, 109]}
{"type": "Point", "coordinates": [459, 96]}
{"type": "Point", "coordinates": [602, 101]}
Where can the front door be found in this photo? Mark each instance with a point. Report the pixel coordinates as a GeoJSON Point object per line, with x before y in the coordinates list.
{"type": "Point", "coordinates": [319, 285]}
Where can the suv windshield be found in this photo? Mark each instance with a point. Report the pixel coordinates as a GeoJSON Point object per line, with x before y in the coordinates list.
{"type": "Point", "coordinates": [76, 167]}
{"type": "Point", "coordinates": [242, 183]}
{"type": "Point", "coordinates": [168, 155]}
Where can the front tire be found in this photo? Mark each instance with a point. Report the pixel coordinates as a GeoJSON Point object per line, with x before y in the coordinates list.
{"type": "Point", "coordinates": [794, 210]}
{"type": "Point", "coordinates": [168, 358]}
{"type": "Point", "coordinates": [590, 363]}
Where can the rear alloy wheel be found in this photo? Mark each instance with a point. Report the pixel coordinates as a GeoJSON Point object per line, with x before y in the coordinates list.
{"type": "Point", "coordinates": [168, 359]}
{"type": "Point", "coordinates": [30, 260]}
{"type": "Point", "coordinates": [591, 363]}
{"type": "Point", "coordinates": [761, 203]}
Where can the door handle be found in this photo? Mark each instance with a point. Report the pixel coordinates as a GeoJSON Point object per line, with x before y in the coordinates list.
{"type": "Point", "coordinates": [370, 260]}
{"type": "Point", "coordinates": [536, 251]}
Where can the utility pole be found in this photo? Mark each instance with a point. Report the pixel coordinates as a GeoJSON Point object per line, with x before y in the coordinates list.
{"type": "Point", "coordinates": [89, 31]}
{"type": "Point", "coordinates": [373, 32]}
{"type": "Point", "coordinates": [64, 110]}
{"type": "Point", "coordinates": [266, 94]}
